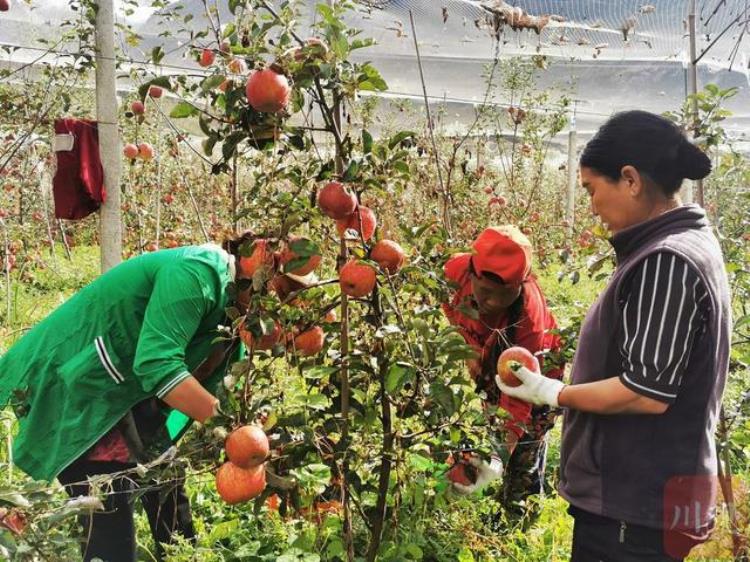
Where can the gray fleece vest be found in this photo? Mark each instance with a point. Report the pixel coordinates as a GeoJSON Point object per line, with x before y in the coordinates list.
{"type": "Point", "coordinates": [619, 466]}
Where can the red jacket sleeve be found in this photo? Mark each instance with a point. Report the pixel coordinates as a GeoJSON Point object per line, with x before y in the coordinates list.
{"type": "Point", "coordinates": [456, 270]}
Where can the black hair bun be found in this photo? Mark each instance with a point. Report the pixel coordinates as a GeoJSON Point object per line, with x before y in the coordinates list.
{"type": "Point", "coordinates": [692, 162]}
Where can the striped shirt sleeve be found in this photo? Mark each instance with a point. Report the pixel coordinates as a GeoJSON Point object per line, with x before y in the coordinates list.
{"type": "Point", "coordinates": [664, 311]}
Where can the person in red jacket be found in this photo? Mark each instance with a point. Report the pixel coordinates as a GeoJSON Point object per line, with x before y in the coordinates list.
{"type": "Point", "coordinates": [498, 304]}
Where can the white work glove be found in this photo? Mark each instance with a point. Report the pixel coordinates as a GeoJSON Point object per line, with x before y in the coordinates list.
{"type": "Point", "coordinates": [486, 473]}
{"type": "Point", "coordinates": [534, 388]}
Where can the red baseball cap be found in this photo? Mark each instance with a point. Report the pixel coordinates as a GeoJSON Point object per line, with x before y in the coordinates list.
{"type": "Point", "coordinates": [504, 251]}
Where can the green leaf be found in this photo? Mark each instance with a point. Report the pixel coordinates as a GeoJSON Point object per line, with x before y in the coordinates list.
{"type": "Point", "coordinates": [420, 463]}
{"type": "Point", "coordinates": [370, 79]}
{"type": "Point", "coordinates": [209, 143]}
{"type": "Point", "coordinates": [161, 81]}
{"type": "Point", "coordinates": [361, 43]}
{"type": "Point", "coordinates": [267, 326]}
{"type": "Point", "coordinates": [387, 330]}
{"type": "Point", "coordinates": [296, 263]}
{"type": "Point", "coordinates": [314, 477]}
{"type": "Point", "coordinates": [234, 4]}
{"type": "Point", "coordinates": [327, 13]}
{"type": "Point", "coordinates": [414, 551]}
{"type": "Point", "coordinates": [401, 166]}
{"type": "Point", "coordinates": [212, 82]}
{"type": "Point", "coordinates": [231, 142]}
{"type": "Point", "coordinates": [366, 141]}
{"type": "Point", "coordinates": [223, 530]}
{"type": "Point", "coordinates": [157, 53]}
{"type": "Point", "coordinates": [304, 247]}
{"type": "Point", "coordinates": [317, 401]}
{"type": "Point", "coordinates": [741, 321]}
{"type": "Point", "coordinates": [319, 372]}
{"type": "Point", "coordinates": [400, 137]}
{"type": "Point", "coordinates": [340, 45]}
{"type": "Point", "coordinates": [13, 498]}
{"type": "Point", "coordinates": [351, 171]}
{"type": "Point", "coordinates": [398, 375]}
{"type": "Point", "coordinates": [204, 124]}
{"type": "Point", "coordinates": [183, 110]}
{"type": "Point", "coordinates": [465, 555]}
{"type": "Point", "coordinates": [443, 396]}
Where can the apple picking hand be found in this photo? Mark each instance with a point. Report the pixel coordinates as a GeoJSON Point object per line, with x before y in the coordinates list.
{"type": "Point", "coordinates": [486, 473]}
{"type": "Point", "coordinates": [534, 388]}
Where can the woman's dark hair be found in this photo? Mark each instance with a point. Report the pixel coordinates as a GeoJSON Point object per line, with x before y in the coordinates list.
{"type": "Point", "coordinates": [494, 277]}
{"type": "Point", "coordinates": [652, 144]}
{"type": "Point", "coordinates": [233, 245]}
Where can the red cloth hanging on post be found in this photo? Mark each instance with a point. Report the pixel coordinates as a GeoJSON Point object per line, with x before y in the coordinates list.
{"type": "Point", "coordinates": [78, 185]}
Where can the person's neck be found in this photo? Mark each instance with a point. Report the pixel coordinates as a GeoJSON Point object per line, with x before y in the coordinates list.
{"type": "Point", "coordinates": [663, 206]}
{"type": "Point", "coordinates": [494, 318]}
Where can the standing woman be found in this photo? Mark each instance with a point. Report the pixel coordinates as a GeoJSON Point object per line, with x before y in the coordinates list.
{"type": "Point", "coordinates": [94, 382]}
{"type": "Point", "coordinates": [638, 462]}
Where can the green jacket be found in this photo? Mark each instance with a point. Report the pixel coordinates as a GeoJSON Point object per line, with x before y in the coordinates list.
{"type": "Point", "coordinates": [135, 332]}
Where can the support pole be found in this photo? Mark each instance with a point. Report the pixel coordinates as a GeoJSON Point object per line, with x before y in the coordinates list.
{"type": "Point", "coordinates": [109, 137]}
{"type": "Point", "coordinates": [693, 90]}
{"type": "Point", "coordinates": [572, 173]}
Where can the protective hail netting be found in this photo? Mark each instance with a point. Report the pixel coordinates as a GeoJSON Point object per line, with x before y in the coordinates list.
{"type": "Point", "coordinates": [606, 54]}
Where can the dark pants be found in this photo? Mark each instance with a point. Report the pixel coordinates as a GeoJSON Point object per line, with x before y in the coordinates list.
{"type": "Point", "coordinates": [110, 535]}
{"type": "Point", "coordinates": [600, 539]}
{"type": "Point", "coordinates": [524, 477]}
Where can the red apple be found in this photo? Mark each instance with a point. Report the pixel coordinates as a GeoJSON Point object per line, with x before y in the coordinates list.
{"type": "Point", "coordinates": [236, 484]}
{"type": "Point", "coordinates": [207, 57]}
{"type": "Point", "coordinates": [237, 66]}
{"type": "Point", "coordinates": [363, 221]}
{"type": "Point", "coordinates": [389, 255]}
{"type": "Point", "coordinates": [310, 342]}
{"type": "Point", "coordinates": [265, 342]}
{"type": "Point", "coordinates": [155, 92]}
{"type": "Point", "coordinates": [138, 108]}
{"type": "Point", "coordinates": [357, 279]}
{"type": "Point", "coordinates": [268, 91]}
{"type": "Point", "coordinates": [261, 256]}
{"type": "Point", "coordinates": [247, 446]}
{"type": "Point", "coordinates": [130, 151]}
{"type": "Point", "coordinates": [289, 255]}
{"type": "Point", "coordinates": [336, 201]}
{"type": "Point", "coordinates": [515, 355]}
{"type": "Point", "coordinates": [145, 151]}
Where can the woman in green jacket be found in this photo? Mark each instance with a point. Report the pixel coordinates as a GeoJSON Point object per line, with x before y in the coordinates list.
{"type": "Point", "coordinates": [109, 364]}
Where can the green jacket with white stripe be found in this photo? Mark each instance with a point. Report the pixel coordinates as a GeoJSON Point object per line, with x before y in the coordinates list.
{"type": "Point", "coordinates": [135, 332]}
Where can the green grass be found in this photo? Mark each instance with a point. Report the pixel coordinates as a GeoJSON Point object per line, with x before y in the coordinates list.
{"type": "Point", "coordinates": [39, 291]}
